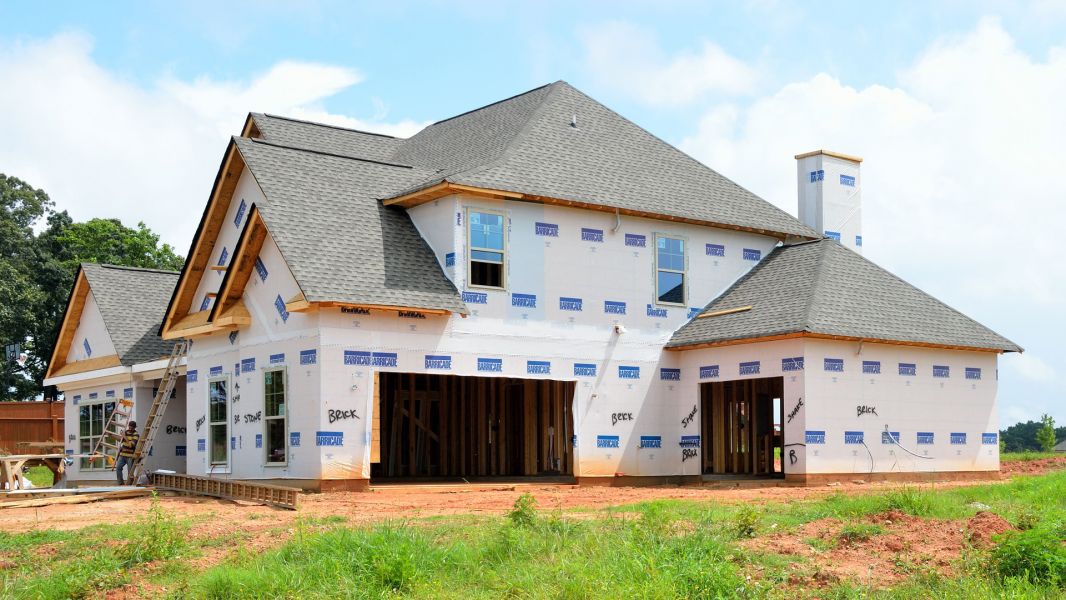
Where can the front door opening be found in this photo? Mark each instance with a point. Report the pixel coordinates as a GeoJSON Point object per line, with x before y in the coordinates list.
{"type": "Point", "coordinates": [451, 427]}
{"type": "Point", "coordinates": [742, 434]}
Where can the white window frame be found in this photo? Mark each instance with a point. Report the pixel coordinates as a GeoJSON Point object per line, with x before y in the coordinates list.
{"type": "Point", "coordinates": [470, 249]}
{"type": "Point", "coordinates": [284, 418]}
{"type": "Point", "coordinates": [684, 272]}
{"type": "Point", "coordinates": [103, 402]}
{"type": "Point", "coordinates": [211, 464]}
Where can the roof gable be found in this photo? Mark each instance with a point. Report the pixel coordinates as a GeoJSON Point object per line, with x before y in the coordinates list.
{"type": "Point", "coordinates": [340, 243]}
{"type": "Point", "coordinates": [131, 302]}
{"type": "Point", "coordinates": [826, 289]}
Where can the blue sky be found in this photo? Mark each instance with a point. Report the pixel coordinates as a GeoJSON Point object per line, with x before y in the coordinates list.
{"type": "Point", "coordinates": [123, 110]}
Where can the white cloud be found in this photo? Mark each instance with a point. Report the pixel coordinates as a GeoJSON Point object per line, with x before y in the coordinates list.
{"type": "Point", "coordinates": [1032, 367]}
{"type": "Point", "coordinates": [103, 146]}
{"type": "Point", "coordinates": [964, 191]}
{"type": "Point", "coordinates": [625, 57]}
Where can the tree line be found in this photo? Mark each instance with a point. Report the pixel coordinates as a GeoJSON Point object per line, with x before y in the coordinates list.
{"type": "Point", "coordinates": [40, 249]}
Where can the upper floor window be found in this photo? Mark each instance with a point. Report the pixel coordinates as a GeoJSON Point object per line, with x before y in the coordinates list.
{"type": "Point", "coordinates": [670, 270]}
{"type": "Point", "coordinates": [487, 249]}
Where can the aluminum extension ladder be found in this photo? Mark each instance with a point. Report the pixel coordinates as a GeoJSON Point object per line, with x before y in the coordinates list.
{"type": "Point", "coordinates": [159, 408]}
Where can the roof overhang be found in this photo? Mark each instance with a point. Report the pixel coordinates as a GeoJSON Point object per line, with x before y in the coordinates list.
{"type": "Point", "coordinates": [824, 336]}
{"type": "Point", "coordinates": [100, 374]}
{"type": "Point", "coordinates": [446, 188]}
{"type": "Point", "coordinates": [300, 304]}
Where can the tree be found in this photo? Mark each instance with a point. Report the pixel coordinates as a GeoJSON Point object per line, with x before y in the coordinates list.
{"type": "Point", "coordinates": [1045, 436]}
{"type": "Point", "coordinates": [1021, 437]}
{"type": "Point", "coordinates": [21, 207]}
{"type": "Point", "coordinates": [37, 273]}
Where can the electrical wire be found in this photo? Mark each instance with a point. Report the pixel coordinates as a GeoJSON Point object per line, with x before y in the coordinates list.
{"type": "Point", "coordinates": [896, 442]}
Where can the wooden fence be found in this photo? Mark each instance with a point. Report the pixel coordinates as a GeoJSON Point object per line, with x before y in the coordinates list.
{"type": "Point", "coordinates": [30, 422]}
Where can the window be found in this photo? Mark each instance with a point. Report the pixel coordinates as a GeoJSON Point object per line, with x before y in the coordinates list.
{"type": "Point", "coordinates": [275, 416]}
{"type": "Point", "coordinates": [670, 270]}
{"type": "Point", "coordinates": [218, 429]}
{"type": "Point", "coordinates": [91, 421]}
{"type": "Point", "coordinates": [487, 251]}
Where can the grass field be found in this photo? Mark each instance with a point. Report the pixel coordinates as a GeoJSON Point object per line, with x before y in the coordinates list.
{"type": "Point", "coordinates": [658, 549]}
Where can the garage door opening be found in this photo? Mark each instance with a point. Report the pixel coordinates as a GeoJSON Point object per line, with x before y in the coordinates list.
{"type": "Point", "coordinates": [742, 430]}
{"type": "Point", "coordinates": [454, 427]}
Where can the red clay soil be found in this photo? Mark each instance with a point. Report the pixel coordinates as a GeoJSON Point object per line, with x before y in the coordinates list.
{"type": "Point", "coordinates": [1032, 467]}
{"type": "Point", "coordinates": [907, 545]}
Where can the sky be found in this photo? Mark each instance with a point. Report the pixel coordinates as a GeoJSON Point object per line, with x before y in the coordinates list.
{"type": "Point", "coordinates": [123, 110]}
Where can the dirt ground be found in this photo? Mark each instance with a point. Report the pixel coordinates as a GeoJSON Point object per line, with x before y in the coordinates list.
{"type": "Point", "coordinates": [876, 560]}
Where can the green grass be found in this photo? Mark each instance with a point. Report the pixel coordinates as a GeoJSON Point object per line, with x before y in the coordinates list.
{"type": "Point", "coordinates": [40, 476]}
{"type": "Point", "coordinates": [656, 549]}
{"type": "Point", "coordinates": [1029, 455]}
{"type": "Point", "coordinates": [52, 564]}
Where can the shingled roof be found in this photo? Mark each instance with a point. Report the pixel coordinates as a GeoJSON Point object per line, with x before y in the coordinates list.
{"type": "Point", "coordinates": [823, 288]}
{"type": "Point", "coordinates": [132, 302]}
{"type": "Point", "coordinates": [340, 243]}
{"type": "Point", "coordinates": [527, 144]}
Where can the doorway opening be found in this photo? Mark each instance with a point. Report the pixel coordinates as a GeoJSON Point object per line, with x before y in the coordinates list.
{"type": "Point", "coordinates": [742, 429]}
{"type": "Point", "coordinates": [459, 427]}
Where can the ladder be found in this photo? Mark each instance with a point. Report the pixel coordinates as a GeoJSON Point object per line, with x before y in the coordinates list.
{"type": "Point", "coordinates": [159, 408]}
{"type": "Point", "coordinates": [107, 445]}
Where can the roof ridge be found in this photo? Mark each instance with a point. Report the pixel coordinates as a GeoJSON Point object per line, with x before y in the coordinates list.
{"type": "Point", "coordinates": [451, 118]}
{"type": "Point", "coordinates": [130, 268]}
{"type": "Point", "coordinates": [330, 126]}
{"type": "Point", "coordinates": [322, 153]}
{"type": "Point", "coordinates": [819, 277]}
{"type": "Point", "coordinates": [523, 132]}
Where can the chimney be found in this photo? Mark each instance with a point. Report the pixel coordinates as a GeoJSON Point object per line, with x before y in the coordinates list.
{"type": "Point", "coordinates": [830, 197]}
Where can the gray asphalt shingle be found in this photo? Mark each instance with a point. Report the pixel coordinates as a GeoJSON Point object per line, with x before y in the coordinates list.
{"type": "Point", "coordinates": [341, 244]}
{"type": "Point", "coordinates": [527, 144]}
{"type": "Point", "coordinates": [132, 302]}
{"type": "Point", "coordinates": [822, 287]}
{"type": "Point", "coordinates": [326, 138]}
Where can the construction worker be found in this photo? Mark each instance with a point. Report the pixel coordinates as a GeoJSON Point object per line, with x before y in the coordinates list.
{"type": "Point", "coordinates": [126, 451]}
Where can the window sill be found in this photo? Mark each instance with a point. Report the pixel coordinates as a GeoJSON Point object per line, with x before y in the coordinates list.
{"type": "Point", "coordinates": [486, 287]}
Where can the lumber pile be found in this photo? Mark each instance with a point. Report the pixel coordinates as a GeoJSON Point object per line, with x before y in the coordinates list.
{"type": "Point", "coordinates": [38, 498]}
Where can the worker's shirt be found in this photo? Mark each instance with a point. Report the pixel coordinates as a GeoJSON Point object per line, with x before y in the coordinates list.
{"type": "Point", "coordinates": [129, 444]}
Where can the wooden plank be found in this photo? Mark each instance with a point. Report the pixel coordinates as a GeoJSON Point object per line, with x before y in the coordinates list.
{"type": "Point", "coordinates": [411, 466]}
{"type": "Point", "coordinates": [529, 427]}
{"type": "Point", "coordinates": [375, 422]}
{"type": "Point", "coordinates": [77, 498]}
{"type": "Point", "coordinates": [89, 364]}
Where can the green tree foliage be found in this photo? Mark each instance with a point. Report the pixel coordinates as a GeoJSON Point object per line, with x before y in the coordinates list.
{"type": "Point", "coordinates": [37, 272]}
{"type": "Point", "coordinates": [1022, 436]}
{"type": "Point", "coordinates": [1045, 436]}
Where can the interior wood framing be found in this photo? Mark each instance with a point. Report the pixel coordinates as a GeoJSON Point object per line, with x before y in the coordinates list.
{"type": "Point", "coordinates": [449, 426]}
{"type": "Point", "coordinates": [71, 319]}
{"type": "Point", "coordinates": [739, 433]}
